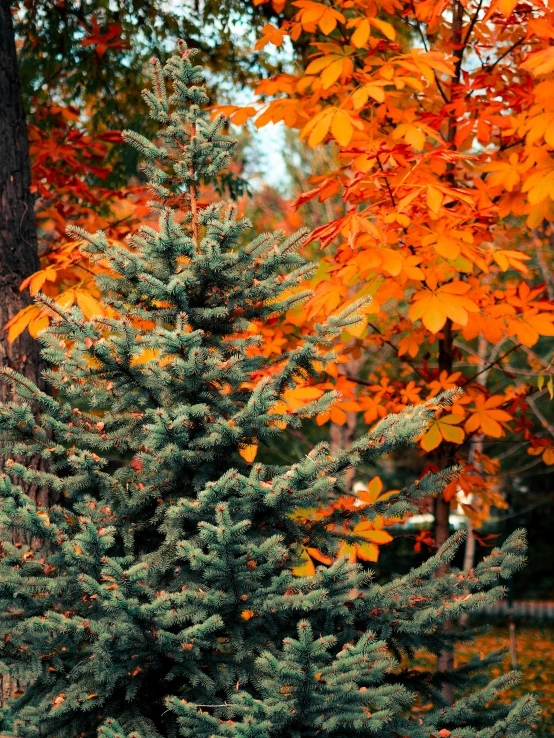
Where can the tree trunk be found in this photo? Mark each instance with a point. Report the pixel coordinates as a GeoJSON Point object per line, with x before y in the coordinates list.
{"type": "Point", "coordinates": [442, 507]}
{"type": "Point", "coordinates": [18, 239]}
{"type": "Point", "coordinates": [445, 661]}
{"type": "Point", "coordinates": [341, 436]}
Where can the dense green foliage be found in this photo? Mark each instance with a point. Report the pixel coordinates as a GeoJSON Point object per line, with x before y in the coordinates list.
{"type": "Point", "coordinates": [161, 601]}
{"type": "Point", "coordinates": [89, 55]}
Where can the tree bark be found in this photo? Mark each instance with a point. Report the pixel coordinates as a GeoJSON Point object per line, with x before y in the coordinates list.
{"type": "Point", "coordinates": [341, 436]}
{"type": "Point", "coordinates": [445, 661]}
{"type": "Point", "coordinates": [18, 238]}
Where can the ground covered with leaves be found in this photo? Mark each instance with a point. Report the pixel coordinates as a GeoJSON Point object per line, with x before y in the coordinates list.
{"type": "Point", "coordinates": [535, 656]}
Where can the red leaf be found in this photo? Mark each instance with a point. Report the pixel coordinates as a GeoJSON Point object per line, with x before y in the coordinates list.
{"type": "Point", "coordinates": [136, 464]}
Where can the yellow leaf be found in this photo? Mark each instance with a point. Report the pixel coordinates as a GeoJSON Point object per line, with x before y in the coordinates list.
{"type": "Point", "coordinates": [391, 261]}
{"type": "Point", "coordinates": [90, 307]}
{"type": "Point", "coordinates": [435, 306]}
{"type": "Point", "coordinates": [452, 434]}
{"type": "Point", "coordinates": [431, 310]}
{"type": "Point", "coordinates": [144, 356]}
{"type": "Point", "coordinates": [342, 128]}
{"type": "Point", "coordinates": [319, 64]}
{"type": "Point", "coordinates": [374, 489]}
{"type": "Point", "coordinates": [349, 549]}
{"type": "Point", "coordinates": [375, 536]}
{"type": "Point", "coordinates": [357, 329]}
{"type": "Point", "coordinates": [361, 34]}
{"type": "Point", "coordinates": [487, 416]}
{"type": "Point", "coordinates": [377, 93]}
{"type": "Point", "coordinates": [320, 129]}
{"type": "Point", "coordinates": [66, 299]}
{"type": "Point", "coordinates": [39, 278]}
{"type": "Point", "coordinates": [331, 74]}
{"type": "Point", "coordinates": [443, 429]}
{"type": "Point", "coordinates": [328, 21]}
{"type": "Point", "coordinates": [411, 134]}
{"type": "Point", "coordinates": [16, 325]}
{"type": "Point", "coordinates": [386, 29]}
{"type": "Point", "coordinates": [295, 398]}
{"type": "Point", "coordinates": [434, 199]}
{"type": "Point", "coordinates": [431, 439]}
{"type": "Point", "coordinates": [359, 98]}
{"type": "Point", "coordinates": [249, 452]}
{"type": "Point", "coordinates": [306, 568]}
{"type": "Point", "coordinates": [367, 551]}
{"type": "Point", "coordinates": [38, 324]}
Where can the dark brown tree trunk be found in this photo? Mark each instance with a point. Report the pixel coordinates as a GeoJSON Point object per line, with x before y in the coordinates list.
{"type": "Point", "coordinates": [445, 662]}
{"type": "Point", "coordinates": [18, 239]}
{"type": "Point", "coordinates": [341, 436]}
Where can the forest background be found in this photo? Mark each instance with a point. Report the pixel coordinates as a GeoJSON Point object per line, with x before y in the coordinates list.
{"type": "Point", "coordinates": [415, 140]}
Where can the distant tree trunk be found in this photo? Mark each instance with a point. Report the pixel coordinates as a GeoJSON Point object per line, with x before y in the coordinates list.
{"type": "Point", "coordinates": [341, 436]}
{"type": "Point", "coordinates": [445, 662]}
{"type": "Point", "coordinates": [18, 239]}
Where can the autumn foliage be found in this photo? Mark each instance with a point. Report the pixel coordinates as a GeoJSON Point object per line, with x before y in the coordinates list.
{"type": "Point", "coordinates": [442, 120]}
{"type": "Point", "coordinates": [440, 116]}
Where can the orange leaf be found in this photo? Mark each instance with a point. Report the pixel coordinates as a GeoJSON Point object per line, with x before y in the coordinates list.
{"type": "Point", "coordinates": [486, 417]}
{"type": "Point", "coordinates": [367, 551]}
{"type": "Point", "coordinates": [318, 127]}
{"type": "Point", "coordinates": [306, 568]}
{"type": "Point", "coordinates": [540, 62]}
{"type": "Point", "coordinates": [16, 325]}
{"type": "Point", "coordinates": [361, 34]}
{"type": "Point", "coordinates": [38, 324]}
{"type": "Point", "coordinates": [342, 128]}
{"type": "Point", "coordinates": [249, 452]}
{"type": "Point", "coordinates": [441, 429]}
{"type": "Point", "coordinates": [318, 556]}
{"type": "Point", "coordinates": [386, 29]}
{"type": "Point", "coordinates": [332, 73]}
{"type": "Point", "coordinates": [435, 306]}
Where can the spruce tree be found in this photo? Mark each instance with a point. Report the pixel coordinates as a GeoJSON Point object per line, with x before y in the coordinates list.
{"type": "Point", "coordinates": [156, 597]}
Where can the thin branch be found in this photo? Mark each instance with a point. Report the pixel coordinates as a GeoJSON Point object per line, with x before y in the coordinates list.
{"type": "Point", "coordinates": [533, 355]}
{"type": "Point", "coordinates": [395, 349]}
{"type": "Point", "coordinates": [490, 67]}
{"type": "Point", "coordinates": [391, 194]}
{"type": "Point", "coordinates": [426, 47]}
{"type": "Point", "coordinates": [490, 364]}
{"type": "Point", "coordinates": [544, 422]}
{"type": "Point", "coordinates": [472, 24]}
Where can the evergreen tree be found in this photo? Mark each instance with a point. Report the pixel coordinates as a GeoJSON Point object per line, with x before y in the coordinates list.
{"type": "Point", "coordinates": [157, 598]}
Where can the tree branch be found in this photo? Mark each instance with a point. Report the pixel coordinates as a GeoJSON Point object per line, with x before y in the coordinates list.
{"type": "Point", "coordinates": [490, 364]}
